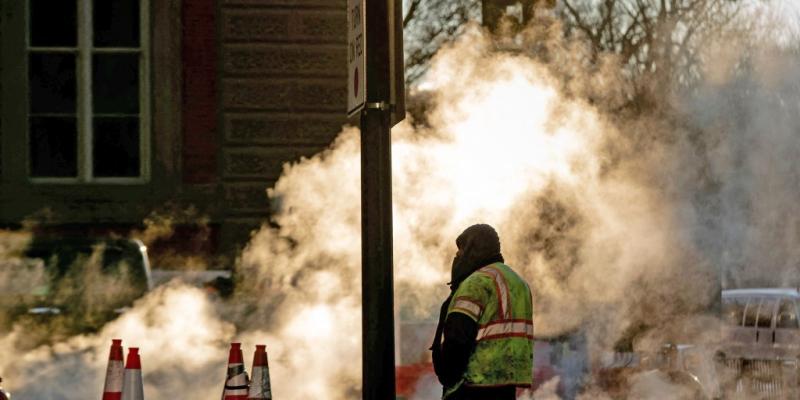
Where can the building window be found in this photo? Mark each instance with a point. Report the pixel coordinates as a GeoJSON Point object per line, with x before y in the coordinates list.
{"type": "Point", "coordinates": [88, 117]}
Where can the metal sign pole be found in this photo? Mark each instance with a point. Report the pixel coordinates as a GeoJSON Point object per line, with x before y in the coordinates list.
{"type": "Point", "coordinates": [376, 210]}
{"type": "Point", "coordinates": [377, 317]}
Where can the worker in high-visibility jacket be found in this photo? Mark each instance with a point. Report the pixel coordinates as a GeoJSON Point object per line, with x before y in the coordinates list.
{"type": "Point", "coordinates": [483, 347]}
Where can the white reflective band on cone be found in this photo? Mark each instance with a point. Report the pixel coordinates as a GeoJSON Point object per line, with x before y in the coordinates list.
{"type": "Point", "coordinates": [132, 385]}
{"type": "Point", "coordinates": [235, 389]}
{"type": "Point", "coordinates": [260, 387]}
{"type": "Point", "coordinates": [114, 376]}
{"type": "Point", "coordinates": [236, 385]}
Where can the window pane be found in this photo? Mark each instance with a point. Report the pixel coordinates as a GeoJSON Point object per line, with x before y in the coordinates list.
{"type": "Point", "coordinates": [765, 313]}
{"type": "Point", "coordinates": [787, 315]}
{"type": "Point", "coordinates": [115, 83]}
{"type": "Point", "coordinates": [53, 23]}
{"type": "Point", "coordinates": [52, 83]}
{"type": "Point", "coordinates": [733, 310]}
{"type": "Point", "coordinates": [751, 312]}
{"type": "Point", "coordinates": [116, 147]}
{"type": "Point", "coordinates": [53, 147]}
{"type": "Point", "coordinates": [116, 23]}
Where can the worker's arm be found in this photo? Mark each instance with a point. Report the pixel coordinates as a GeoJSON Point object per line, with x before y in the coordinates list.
{"type": "Point", "coordinates": [460, 332]}
{"type": "Point", "coordinates": [461, 326]}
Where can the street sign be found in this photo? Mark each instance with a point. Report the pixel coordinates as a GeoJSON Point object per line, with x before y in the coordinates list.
{"type": "Point", "coordinates": [356, 56]}
{"type": "Point", "coordinates": [358, 76]}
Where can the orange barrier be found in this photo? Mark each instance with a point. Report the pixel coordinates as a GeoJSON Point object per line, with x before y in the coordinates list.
{"type": "Point", "coordinates": [407, 377]}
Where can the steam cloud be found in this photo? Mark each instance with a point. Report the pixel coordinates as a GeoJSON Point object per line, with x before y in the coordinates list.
{"type": "Point", "coordinates": [618, 225]}
{"type": "Point", "coordinates": [183, 343]}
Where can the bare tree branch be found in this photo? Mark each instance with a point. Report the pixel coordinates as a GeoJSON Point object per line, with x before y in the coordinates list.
{"type": "Point", "coordinates": [412, 9]}
{"type": "Point", "coordinates": [660, 40]}
{"type": "Point", "coordinates": [430, 24]}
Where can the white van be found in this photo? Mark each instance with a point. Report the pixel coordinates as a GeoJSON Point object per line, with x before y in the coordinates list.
{"type": "Point", "coordinates": [760, 348]}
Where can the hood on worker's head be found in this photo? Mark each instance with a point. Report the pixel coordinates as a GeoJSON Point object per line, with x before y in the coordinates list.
{"type": "Point", "coordinates": [478, 246]}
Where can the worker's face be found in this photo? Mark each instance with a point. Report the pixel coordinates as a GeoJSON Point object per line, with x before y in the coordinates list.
{"type": "Point", "coordinates": [459, 253]}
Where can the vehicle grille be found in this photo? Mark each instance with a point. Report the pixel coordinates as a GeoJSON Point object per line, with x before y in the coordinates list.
{"type": "Point", "coordinates": [760, 379]}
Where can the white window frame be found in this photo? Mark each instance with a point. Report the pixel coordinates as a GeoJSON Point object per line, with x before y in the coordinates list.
{"type": "Point", "coordinates": [83, 72]}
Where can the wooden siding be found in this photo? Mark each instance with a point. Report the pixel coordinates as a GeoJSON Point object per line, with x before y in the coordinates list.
{"type": "Point", "coordinates": [283, 95]}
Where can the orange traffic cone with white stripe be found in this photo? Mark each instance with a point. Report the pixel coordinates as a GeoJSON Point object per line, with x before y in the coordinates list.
{"type": "Point", "coordinates": [260, 388]}
{"type": "Point", "coordinates": [132, 386]}
{"type": "Point", "coordinates": [236, 379]}
{"type": "Point", "coordinates": [112, 389]}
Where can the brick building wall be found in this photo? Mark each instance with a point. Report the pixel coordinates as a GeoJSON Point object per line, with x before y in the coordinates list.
{"type": "Point", "coordinates": [199, 104]}
{"type": "Point", "coordinates": [283, 95]}
{"type": "Point", "coordinates": [239, 88]}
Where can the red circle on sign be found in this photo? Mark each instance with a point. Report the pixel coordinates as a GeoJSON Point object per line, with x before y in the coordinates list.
{"type": "Point", "coordinates": [355, 83]}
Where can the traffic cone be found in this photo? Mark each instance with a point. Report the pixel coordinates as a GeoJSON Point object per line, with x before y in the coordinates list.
{"type": "Point", "coordinates": [236, 379]}
{"type": "Point", "coordinates": [132, 387]}
{"type": "Point", "coordinates": [113, 387]}
{"type": "Point", "coordinates": [260, 388]}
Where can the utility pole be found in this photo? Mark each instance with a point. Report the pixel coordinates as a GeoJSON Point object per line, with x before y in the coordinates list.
{"type": "Point", "coordinates": [376, 95]}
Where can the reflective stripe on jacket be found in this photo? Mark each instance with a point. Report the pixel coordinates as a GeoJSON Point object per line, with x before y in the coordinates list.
{"type": "Point", "coordinates": [499, 301]}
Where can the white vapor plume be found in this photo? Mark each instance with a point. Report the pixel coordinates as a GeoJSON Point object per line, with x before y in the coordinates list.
{"type": "Point", "coordinates": [501, 146]}
{"type": "Point", "coordinates": [182, 341]}
{"type": "Point", "coordinates": [615, 233]}
{"type": "Point", "coordinates": [748, 196]}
